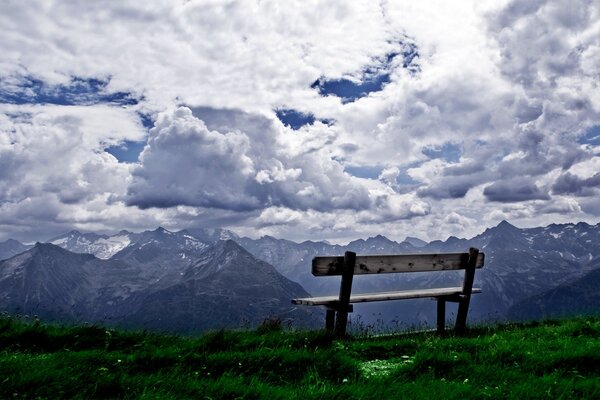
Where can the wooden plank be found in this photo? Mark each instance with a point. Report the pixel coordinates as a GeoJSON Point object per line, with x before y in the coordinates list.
{"type": "Point", "coordinates": [333, 265]}
{"type": "Point", "coordinates": [341, 318]}
{"type": "Point", "coordinates": [384, 296]}
{"type": "Point", "coordinates": [463, 305]}
{"type": "Point", "coordinates": [330, 320]}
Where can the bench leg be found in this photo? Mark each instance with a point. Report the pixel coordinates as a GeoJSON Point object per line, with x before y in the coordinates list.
{"type": "Point", "coordinates": [340, 323]}
{"type": "Point", "coordinates": [463, 304]}
{"type": "Point", "coordinates": [461, 315]}
{"type": "Point", "coordinates": [441, 315]}
{"type": "Point", "coordinates": [345, 288]}
{"type": "Point", "coordinates": [329, 320]}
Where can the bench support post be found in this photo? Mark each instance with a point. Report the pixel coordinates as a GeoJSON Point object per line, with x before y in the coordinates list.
{"type": "Point", "coordinates": [345, 290]}
{"type": "Point", "coordinates": [329, 319]}
{"type": "Point", "coordinates": [441, 315]}
{"type": "Point", "coordinates": [463, 305]}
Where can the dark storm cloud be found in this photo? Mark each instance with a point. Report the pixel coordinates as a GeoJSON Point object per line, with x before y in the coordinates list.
{"type": "Point", "coordinates": [514, 191]}
{"type": "Point", "coordinates": [450, 190]}
{"type": "Point", "coordinates": [568, 183]}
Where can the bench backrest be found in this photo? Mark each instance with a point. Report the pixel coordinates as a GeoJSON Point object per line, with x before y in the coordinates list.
{"type": "Point", "coordinates": [334, 265]}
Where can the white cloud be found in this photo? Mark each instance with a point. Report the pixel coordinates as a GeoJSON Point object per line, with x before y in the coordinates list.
{"type": "Point", "coordinates": [511, 85]}
{"type": "Point", "coordinates": [244, 167]}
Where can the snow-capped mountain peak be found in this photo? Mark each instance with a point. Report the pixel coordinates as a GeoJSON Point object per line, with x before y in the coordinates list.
{"type": "Point", "coordinates": [102, 246]}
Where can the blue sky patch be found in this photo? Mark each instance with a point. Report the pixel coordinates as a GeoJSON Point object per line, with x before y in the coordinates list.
{"type": "Point", "coordinates": [348, 90]}
{"type": "Point", "coordinates": [592, 136]}
{"type": "Point", "coordinates": [147, 120]}
{"type": "Point", "coordinates": [404, 179]}
{"type": "Point", "coordinates": [80, 91]}
{"type": "Point", "coordinates": [405, 183]}
{"type": "Point", "coordinates": [373, 77]}
{"type": "Point", "coordinates": [449, 152]}
{"type": "Point", "coordinates": [127, 152]}
{"type": "Point", "coordinates": [296, 119]}
{"type": "Point", "coordinates": [367, 172]}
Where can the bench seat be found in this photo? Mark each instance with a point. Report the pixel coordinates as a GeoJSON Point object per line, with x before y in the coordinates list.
{"type": "Point", "coordinates": [384, 296]}
{"type": "Point", "coordinates": [338, 307]}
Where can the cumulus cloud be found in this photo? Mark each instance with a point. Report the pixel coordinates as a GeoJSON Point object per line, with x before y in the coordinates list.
{"type": "Point", "coordinates": [569, 183]}
{"type": "Point", "coordinates": [54, 174]}
{"type": "Point", "coordinates": [242, 168]}
{"type": "Point", "coordinates": [504, 95]}
{"type": "Point", "coordinates": [58, 150]}
{"type": "Point", "coordinates": [390, 176]}
{"type": "Point", "coordinates": [459, 222]}
{"type": "Point", "coordinates": [513, 191]}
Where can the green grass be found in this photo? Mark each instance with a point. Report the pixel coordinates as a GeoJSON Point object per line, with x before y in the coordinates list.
{"type": "Point", "coordinates": [550, 360]}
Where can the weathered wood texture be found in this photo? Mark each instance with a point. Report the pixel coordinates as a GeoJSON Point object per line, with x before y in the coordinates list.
{"type": "Point", "coordinates": [333, 265]}
{"type": "Point", "coordinates": [351, 264]}
{"type": "Point", "coordinates": [341, 319]}
{"type": "Point", "coordinates": [384, 296]}
{"type": "Point", "coordinates": [463, 305]}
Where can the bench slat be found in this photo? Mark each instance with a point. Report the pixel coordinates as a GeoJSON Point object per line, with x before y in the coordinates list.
{"type": "Point", "coordinates": [332, 265]}
{"type": "Point", "coordinates": [383, 296]}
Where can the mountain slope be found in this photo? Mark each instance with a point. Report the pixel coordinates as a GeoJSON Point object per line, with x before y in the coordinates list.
{"type": "Point", "coordinates": [580, 297]}
{"type": "Point", "coordinates": [226, 287]}
{"type": "Point", "coordinates": [45, 280]}
{"type": "Point", "coordinates": [11, 248]}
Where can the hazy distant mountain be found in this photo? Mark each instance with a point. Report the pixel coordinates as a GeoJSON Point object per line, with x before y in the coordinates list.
{"type": "Point", "coordinates": [415, 242]}
{"type": "Point", "coordinates": [289, 258]}
{"type": "Point", "coordinates": [211, 235]}
{"type": "Point", "coordinates": [225, 285]}
{"type": "Point", "coordinates": [11, 247]}
{"type": "Point", "coordinates": [293, 259]}
{"type": "Point", "coordinates": [379, 245]}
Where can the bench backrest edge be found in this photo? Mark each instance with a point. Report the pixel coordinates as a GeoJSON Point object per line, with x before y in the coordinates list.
{"type": "Point", "coordinates": [381, 264]}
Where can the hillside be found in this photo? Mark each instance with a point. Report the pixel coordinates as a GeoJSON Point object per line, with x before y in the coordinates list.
{"type": "Point", "coordinates": [559, 359]}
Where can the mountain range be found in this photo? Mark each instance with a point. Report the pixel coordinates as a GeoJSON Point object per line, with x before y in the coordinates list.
{"type": "Point", "coordinates": [160, 280]}
{"type": "Point", "coordinates": [200, 279]}
{"type": "Point", "coordinates": [520, 263]}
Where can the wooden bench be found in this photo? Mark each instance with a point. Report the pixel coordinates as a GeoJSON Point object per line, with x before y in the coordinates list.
{"type": "Point", "coordinates": [351, 264]}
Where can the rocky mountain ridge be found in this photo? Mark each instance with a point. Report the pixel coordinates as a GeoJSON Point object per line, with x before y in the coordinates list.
{"type": "Point", "coordinates": [224, 287]}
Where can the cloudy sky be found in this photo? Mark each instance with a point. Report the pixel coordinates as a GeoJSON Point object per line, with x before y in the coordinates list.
{"type": "Point", "coordinates": [299, 119]}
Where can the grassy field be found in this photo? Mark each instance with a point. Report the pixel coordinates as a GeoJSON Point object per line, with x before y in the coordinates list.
{"type": "Point", "coordinates": [550, 360]}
